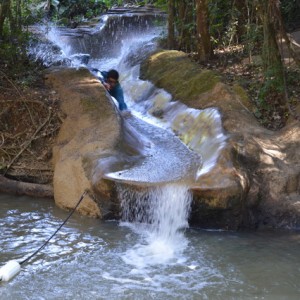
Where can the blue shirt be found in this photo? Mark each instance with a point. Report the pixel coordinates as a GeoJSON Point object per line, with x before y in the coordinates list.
{"type": "Point", "coordinates": [116, 92]}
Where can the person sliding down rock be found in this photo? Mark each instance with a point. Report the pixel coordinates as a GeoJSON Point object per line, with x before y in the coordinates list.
{"type": "Point", "coordinates": [110, 80]}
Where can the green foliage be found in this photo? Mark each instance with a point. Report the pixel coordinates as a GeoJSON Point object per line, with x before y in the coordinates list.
{"type": "Point", "coordinates": [219, 18]}
{"type": "Point", "coordinates": [272, 83]}
{"type": "Point", "coordinates": [81, 9]}
{"type": "Point", "coordinates": [270, 96]}
{"type": "Point", "coordinates": [252, 38]}
{"type": "Point", "coordinates": [162, 4]}
{"type": "Point", "coordinates": [290, 10]}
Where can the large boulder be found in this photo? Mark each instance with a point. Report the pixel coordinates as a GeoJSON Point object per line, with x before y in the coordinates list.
{"type": "Point", "coordinates": [256, 180]}
{"type": "Point", "coordinates": [93, 140]}
{"type": "Point", "coordinates": [90, 130]}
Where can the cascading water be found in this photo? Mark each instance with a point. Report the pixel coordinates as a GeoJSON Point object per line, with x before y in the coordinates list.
{"type": "Point", "coordinates": [159, 215]}
{"type": "Point", "coordinates": [200, 130]}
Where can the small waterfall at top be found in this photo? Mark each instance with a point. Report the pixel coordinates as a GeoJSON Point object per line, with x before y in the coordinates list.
{"type": "Point", "coordinates": [159, 214]}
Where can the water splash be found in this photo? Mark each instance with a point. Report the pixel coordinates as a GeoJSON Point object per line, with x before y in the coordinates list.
{"type": "Point", "coordinates": [159, 215]}
{"type": "Point", "coordinates": [200, 130]}
{"type": "Point", "coordinates": [53, 47]}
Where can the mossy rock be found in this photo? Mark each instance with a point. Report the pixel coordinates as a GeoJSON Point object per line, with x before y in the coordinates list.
{"type": "Point", "coordinates": [196, 87]}
{"type": "Point", "coordinates": [243, 96]}
{"type": "Point", "coordinates": [175, 72]}
{"type": "Point", "coordinates": [89, 104]}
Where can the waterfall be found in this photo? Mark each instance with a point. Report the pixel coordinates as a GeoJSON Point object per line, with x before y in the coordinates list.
{"type": "Point", "coordinates": [159, 215]}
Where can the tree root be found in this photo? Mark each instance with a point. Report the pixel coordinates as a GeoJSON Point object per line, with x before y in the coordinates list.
{"type": "Point", "coordinates": [24, 188]}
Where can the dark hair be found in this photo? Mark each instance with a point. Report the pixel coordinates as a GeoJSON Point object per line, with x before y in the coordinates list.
{"type": "Point", "coordinates": [113, 74]}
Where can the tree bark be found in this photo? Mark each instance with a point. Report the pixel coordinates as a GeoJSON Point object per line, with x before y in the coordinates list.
{"type": "Point", "coordinates": [171, 24]}
{"type": "Point", "coordinates": [24, 188]}
{"type": "Point", "coordinates": [203, 36]}
{"type": "Point", "coordinates": [274, 82]}
{"type": "Point", "coordinates": [4, 13]}
{"type": "Point", "coordinates": [271, 54]}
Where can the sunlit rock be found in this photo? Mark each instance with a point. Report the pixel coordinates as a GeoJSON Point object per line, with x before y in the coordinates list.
{"type": "Point", "coordinates": [93, 141]}
{"type": "Point", "coordinates": [90, 128]}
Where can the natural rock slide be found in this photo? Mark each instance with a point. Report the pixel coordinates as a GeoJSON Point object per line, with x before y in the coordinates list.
{"type": "Point", "coordinates": [164, 157]}
{"type": "Point", "coordinates": [241, 174]}
{"type": "Point", "coordinates": [97, 143]}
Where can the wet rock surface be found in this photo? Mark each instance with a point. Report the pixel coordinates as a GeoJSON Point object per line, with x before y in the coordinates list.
{"type": "Point", "coordinates": [96, 143]}
{"type": "Point", "coordinates": [166, 158]}
{"type": "Point", "coordinates": [109, 30]}
{"type": "Point", "coordinates": [254, 184]}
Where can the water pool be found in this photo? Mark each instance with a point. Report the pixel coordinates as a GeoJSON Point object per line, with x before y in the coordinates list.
{"type": "Point", "coordinates": [92, 259]}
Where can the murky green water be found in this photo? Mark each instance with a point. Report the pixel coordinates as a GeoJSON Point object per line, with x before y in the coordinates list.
{"type": "Point", "coordinates": [90, 259]}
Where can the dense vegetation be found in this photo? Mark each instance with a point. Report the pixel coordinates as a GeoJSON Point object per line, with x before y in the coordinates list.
{"type": "Point", "coordinates": [209, 30]}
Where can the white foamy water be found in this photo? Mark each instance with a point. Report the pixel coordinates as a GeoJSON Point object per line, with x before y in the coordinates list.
{"type": "Point", "coordinates": [159, 215]}
{"type": "Point", "coordinates": [200, 130]}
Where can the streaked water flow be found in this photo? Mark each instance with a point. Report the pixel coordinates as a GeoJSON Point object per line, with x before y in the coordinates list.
{"type": "Point", "coordinates": [159, 215]}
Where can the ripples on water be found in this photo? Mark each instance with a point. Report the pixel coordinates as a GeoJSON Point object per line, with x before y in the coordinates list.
{"type": "Point", "coordinates": [88, 260]}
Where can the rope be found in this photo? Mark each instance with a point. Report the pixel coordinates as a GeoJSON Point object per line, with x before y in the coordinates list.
{"type": "Point", "coordinates": [64, 222]}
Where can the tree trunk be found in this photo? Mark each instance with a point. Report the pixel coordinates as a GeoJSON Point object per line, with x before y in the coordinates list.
{"type": "Point", "coordinates": [4, 13]}
{"type": "Point", "coordinates": [271, 54]}
{"type": "Point", "coordinates": [182, 11]}
{"type": "Point", "coordinates": [273, 92]}
{"type": "Point", "coordinates": [171, 24]}
{"type": "Point", "coordinates": [203, 36]}
{"type": "Point", "coordinates": [24, 188]}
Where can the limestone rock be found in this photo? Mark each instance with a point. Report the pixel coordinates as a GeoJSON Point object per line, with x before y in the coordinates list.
{"type": "Point", "coordinates": [91, 128]}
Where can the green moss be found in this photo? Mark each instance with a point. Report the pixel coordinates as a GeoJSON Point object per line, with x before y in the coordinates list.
{"type": "Point", "coordinates": [89, 105]}
{"type": "Point", "coordinates": [174, 71]}
{"type": "Point", "coordinates": [242, 94]}
{"type": "Point", "coordinates": [69, 74]}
